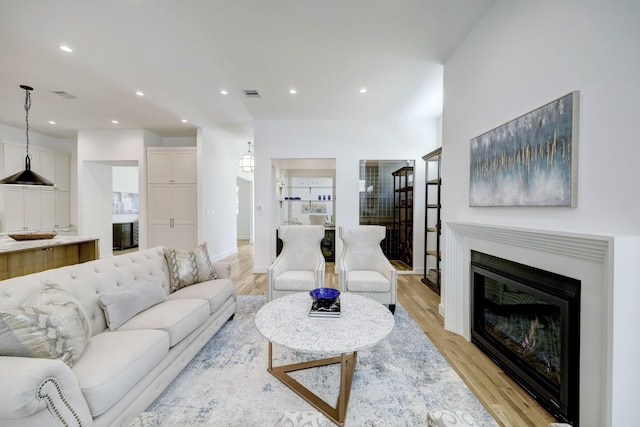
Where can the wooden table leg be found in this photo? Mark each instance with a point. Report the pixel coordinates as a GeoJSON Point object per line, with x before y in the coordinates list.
{"type": "Point", "coordinates": [347, 363]}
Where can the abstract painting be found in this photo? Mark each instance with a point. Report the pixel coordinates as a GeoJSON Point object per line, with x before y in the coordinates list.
{"type": "Point", "coordinates": [529, 161]}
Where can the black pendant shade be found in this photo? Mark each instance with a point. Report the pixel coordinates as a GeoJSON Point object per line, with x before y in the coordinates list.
{"type": "Point", "coordinates": [27, 176]}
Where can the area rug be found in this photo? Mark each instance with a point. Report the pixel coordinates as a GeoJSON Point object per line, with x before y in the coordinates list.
{"type": "Point", "coordinates": [397, 382]}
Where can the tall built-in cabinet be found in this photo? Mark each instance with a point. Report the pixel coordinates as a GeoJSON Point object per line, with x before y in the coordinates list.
{"type": "Point", "coordinates": [172, 197]}
{"type": "Point", "coordinates": [403, 214]}
{"type": "Point", "coordinates": [35, 207]}
{"type": "Point", "coordinates": [432, 276]}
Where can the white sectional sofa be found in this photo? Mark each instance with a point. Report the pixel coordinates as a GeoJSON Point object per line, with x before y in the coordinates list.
{"type": "Point", "coordinates": [120, 371]}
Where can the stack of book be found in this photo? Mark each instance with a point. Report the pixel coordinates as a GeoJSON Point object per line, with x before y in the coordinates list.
{"type": "Point", "coordinates": [320, 309]}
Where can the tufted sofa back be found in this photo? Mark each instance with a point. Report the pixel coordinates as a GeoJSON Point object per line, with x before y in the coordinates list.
{"type": "Point", "coordinates": [86, 281]}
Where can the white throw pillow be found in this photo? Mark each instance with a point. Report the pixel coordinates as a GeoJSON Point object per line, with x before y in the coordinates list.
{"type": "Point", "coordinates": [121, 305]}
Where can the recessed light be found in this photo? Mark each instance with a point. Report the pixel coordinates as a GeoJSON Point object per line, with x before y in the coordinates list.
{"type": "Point", "coordinates": [224, 92]}
{"type": "Point", "coordinates": [185, 121]}
{"type": "Point", "coordinates": [139, 93]}
{"type": "Point", "coordinates": [51, 122]}
{"type": "Point", "coordinates": [293, 91]}
{"type": "Point", "coordinates": [115, 122]}
{"type": "Point", "coordinates": [363, 90]}
{"type": "Point", "coordinates": [65, 48]}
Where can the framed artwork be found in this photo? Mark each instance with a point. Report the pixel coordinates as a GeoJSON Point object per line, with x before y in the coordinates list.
{"type": "Point", "coordinates": [529, 161]}
{"type": "Point", "coordinates": [125, 203]}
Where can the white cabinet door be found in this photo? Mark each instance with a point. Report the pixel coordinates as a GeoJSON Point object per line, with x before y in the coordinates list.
{"type": "Point", "coordinates": [13, 159]}
{"type": "Point", "coordinates": [62, 171]}
{"type": "Point", "coordinates": [184, 165]}
{"type": "Point", "coordinates": [47, 208]}
{"type": "Point", "coordinates": [13, 208]}
{"type": "Point", "coordinates": [158, 167]}
{"type": "Point", "coordinates": [32, 207]}
{"type": "Point", "coordinates": [62, 209]}
{"type": "Point", "coordinates": [179, 166]}
{"type": "Point", "coordinates": [47, 166]}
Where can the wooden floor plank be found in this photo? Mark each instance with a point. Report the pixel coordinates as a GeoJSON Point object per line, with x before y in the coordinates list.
{"type": "Point", "coordinates": [507, 402]}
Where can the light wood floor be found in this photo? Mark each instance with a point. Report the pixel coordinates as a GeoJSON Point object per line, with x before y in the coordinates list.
{"type": "Point", "coordinates": [501, 396]}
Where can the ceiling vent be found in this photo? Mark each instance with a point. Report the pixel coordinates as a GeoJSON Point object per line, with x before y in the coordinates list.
{"type": "Point", "coordinates": [64, 94]}
{"type": "Point", "coordinates": [251, 93]}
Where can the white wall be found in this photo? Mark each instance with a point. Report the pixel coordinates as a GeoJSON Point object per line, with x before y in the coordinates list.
{"type": "Point", "coordinates": [348, 142]}
{"type": "Point", "coordinates": [520, 56]}
{"type": "Point", "coordinates": [218, 154]}
{"type": "Point", "coordinates": [245, 210]}
{"type": "Point", "coordinates": [109, 147]}
{"type": "Point", "coordinates": [524, 54]}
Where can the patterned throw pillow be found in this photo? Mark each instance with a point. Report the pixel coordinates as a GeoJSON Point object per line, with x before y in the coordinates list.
{"type": "Point", "coordinates": [189, 267]}
{"type": "Point", "coordinates": [183, 269]}
{"type": "Point", "coordinates": [205, 268]}
{"type": "Point", "coordinates": [52, 325]}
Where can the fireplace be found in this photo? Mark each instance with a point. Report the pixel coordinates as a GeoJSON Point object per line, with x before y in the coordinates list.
{"type": "Point", "coordinates": [528, 321]}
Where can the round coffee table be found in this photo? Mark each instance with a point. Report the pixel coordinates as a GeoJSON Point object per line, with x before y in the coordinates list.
{"type": "Point", "coordinates": [286, 321]}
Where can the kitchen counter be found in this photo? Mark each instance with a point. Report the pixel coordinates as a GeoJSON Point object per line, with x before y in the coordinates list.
{"type": "Point", "coordinates": [18, 258]}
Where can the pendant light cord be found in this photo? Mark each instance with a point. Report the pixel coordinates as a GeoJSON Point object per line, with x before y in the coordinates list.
{"type": "Point", "coordinates": [27, 106]}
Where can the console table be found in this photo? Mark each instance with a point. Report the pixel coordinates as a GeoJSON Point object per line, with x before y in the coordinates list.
{"type": "Point", "coordinates": [18, 258]}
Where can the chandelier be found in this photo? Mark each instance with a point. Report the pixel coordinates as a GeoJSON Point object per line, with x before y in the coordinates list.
{"type": "Point", "coordinates": [246, 161]}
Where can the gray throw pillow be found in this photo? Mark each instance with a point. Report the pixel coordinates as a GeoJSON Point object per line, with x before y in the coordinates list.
{"type": "Point", "coordinates": [121, 305]}
{"type": "Point", "coordinates": [51, 325]}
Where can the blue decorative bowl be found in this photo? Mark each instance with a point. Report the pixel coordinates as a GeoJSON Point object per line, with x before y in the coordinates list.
{"type": "Point", "coordinates": [325, 296]}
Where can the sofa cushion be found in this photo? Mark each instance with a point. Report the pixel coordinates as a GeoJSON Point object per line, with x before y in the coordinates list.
{"type": "Point", "coordinates": [367, 281]}
{"type": "Point", "coordinates": [51, 324]}
{"type": "Point", "coordinates": [114, 362]}
{"type": "Point", "coordinates": [217, 292]}
{"type": "Point", "coordinates": [121, 305]}
{"type": "Point", "coordinates": [177, 317]}
{"type": "Point", "coordinates": [295, 280]}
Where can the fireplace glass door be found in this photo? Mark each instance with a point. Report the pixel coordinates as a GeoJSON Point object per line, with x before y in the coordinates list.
{"type": "Point", "coordinates": [527, 321]}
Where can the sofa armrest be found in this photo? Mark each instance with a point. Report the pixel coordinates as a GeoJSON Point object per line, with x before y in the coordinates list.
{"type": "Point", "coordinates": [31, 385]}
{"type": "Point", "coordinates": [223, 269]}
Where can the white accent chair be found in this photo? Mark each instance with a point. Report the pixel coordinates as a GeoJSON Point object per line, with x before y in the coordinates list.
{"type": "Point", "coordinates": [363, 268]}
{"type": "Point", "coordinates": [300, 265]}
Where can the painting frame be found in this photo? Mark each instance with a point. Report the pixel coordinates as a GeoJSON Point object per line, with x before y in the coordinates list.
{"type": "Point", "coordinates": [531, 160]}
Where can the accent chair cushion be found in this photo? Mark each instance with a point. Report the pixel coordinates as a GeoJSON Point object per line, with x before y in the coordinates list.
{"type": "Point", "coordinates": [367, 281]}
{"type": "Point", "coordinates": [121, 305]}
{"type": "Point", "coordinates": [189, 267]}
{"type": "Point", "coordinates": [295, 280]}
{"type": "Point", "coordinates": [51, 325]}
{"type": "Point", "coordinates": [450, 418]}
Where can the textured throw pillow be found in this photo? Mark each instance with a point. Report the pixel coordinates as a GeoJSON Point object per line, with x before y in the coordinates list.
{"type": "Point", "coordinates": [121, 305]}
{"type": "Point", "coordinates": [205, 268]}
{"type": "Point", "coordinates": [51, 325]}
{"type": "Point", "coordinates": [189, 267]}
{"type": "Point", "coordinates": [447, 418]}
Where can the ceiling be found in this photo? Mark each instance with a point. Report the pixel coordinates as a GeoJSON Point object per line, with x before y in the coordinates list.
{"type": "Point", "coordinates": [181, 54]}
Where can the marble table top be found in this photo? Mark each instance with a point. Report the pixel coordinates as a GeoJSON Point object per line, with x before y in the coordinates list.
{"type": "Point", "coordinates": [362, 322]}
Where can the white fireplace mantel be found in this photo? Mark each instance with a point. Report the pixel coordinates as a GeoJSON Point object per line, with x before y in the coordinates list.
{"type": "Point", "coordinates": [608, 267]}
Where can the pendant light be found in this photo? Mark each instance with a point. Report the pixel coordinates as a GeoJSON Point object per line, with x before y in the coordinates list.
{"type": "Point", "coordinates": [27, 176]}
{"type": "Point", "coordinates": [246, 161]}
